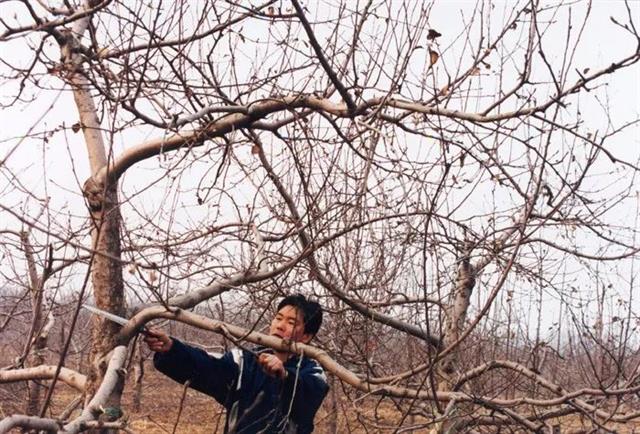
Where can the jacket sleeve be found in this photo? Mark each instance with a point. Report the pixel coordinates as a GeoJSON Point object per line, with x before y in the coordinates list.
{"type": "Point", "coordinates": [214, 376]}
{"type": "Point", "coordinates": [305, 389]}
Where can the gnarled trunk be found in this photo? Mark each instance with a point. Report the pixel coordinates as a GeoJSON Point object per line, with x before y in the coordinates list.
{"type": "Point", "coordinates": [102, 199]}
{"type": "Point", "coordinates": [108, 288]}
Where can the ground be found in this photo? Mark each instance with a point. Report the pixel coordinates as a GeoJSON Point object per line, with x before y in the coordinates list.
{"type": "Point", "coordinates": [200, 414]}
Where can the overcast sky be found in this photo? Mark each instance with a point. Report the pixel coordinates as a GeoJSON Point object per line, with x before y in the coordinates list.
{"type": "Point", "coordinates": [57, 167]}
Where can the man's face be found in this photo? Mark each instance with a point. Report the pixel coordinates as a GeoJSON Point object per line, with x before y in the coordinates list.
{"type": "Point", "coordinates": [289, 324]}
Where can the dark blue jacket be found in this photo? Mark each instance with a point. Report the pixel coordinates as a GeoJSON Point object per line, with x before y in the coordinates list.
{"type": "Point", "coordinates": [255, 402]}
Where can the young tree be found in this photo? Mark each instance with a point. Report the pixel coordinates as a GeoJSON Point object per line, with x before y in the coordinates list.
{"type": "Point", "coordinates": [422, 175]}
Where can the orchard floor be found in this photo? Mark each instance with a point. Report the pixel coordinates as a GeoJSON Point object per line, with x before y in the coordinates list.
{"type": "Point", "coordinates": [160, 402]}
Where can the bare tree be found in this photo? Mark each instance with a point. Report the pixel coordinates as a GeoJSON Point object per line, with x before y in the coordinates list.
{"type": "Point", "coordinates": [451, 193]}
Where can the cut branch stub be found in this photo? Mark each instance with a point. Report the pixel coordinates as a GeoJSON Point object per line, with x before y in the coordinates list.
{"type": "Point", "coordinates": [457, 310]}
{"type": "Point", "coordinates": [93, 191]}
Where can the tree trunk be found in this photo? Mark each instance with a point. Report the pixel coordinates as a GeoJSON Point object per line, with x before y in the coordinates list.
{"type": "Point", "coordinates": [138, 374]}
{"type": "Point", "coordinates": [35, 388]}
{"type": "Point", "coordinates": [37, 336]}
{"type": "Point", "coordinates": [457, 315]}
{"type": "Point", "coordinates": [108, 290]}
{"type": "Point", "coordinates": [333, 405]}
{"type": "Point", "coordinates": [102, 199]}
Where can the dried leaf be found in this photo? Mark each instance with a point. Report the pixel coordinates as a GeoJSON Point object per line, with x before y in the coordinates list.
{"type": "Point", "coordinates": [75, 127]}
{"type": "Point", "coordinates": [271, 10]}
{"type": "Point", "coordinates": [475, 71]}
{"type": "Point", "coordinates": [433, 34]}
{"type": "Point", "coordinates": [433, 57]}
{"type": "Point", "coordinates": [255, 149]}
{"type": "Point", "coordinates": [102, 52]}
{"type": "Point", "coordinates": [445, 90]}
{"type": "Point", "coordinates": [55, 70]}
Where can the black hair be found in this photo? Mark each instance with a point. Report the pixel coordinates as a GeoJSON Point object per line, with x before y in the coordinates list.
{"type": "Point", "coordinates": [311, 311]}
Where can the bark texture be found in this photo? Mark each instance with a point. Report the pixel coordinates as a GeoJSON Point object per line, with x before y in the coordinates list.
{"type": "Point", "coordinates": [102, 200]}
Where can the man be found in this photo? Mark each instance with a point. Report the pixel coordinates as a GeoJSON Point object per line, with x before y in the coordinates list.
{"type": "Point", "coordinates": [263, 391]}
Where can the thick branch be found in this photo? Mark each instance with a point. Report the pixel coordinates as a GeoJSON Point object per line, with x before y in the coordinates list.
{"type": "Point", "coordinates": [30, 422]}
{"type": "Point", "coordinates": [258, 110]}
{"type": "Point", "coordinates": [235, 332]}
{"type": "Point", "coordinates": [91, 412]}
{"type": "Point", "coordinates": [112, 378]}
{"type": "Point", "coordinates": [349, 377]}
{"type": "Point", "coordinates": [44, 372]}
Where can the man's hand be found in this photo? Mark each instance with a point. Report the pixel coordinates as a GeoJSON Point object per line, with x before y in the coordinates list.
{"type": "Point", "coordinates": [272, 365]}
{"type": "Point", "coordinates": [158, 340]}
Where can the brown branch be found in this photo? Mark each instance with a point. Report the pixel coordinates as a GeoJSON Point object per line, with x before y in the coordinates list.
{"type": "Point", "coordinates": [259, 110]}
{"type": "Point", "coordinates": [325, 281]}
{"type": "Point", "coordinates": [187, 39]}
{"type": "Point", "coordinates": [563, 394]}
{"type": "Point", "coordinates": [322, 58]}
{"type": "Point", "coordinates": [48, 26]}
{"type": "Point", "coordinates": [181, 405]}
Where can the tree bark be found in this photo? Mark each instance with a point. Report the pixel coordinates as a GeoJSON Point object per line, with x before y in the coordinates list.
{"type": "Point", "coordinates": [457, 311]}
{"type": "Point", "coordinates": [102, 199]}
{"type": "Point", "coordinates": [39, 335]}
{"type": "Point", "coordinates": [457, 315]}
{"type": "Point", "coordinates": [138, 374]}
{"type": "Point", "coordinates": [108, 289]}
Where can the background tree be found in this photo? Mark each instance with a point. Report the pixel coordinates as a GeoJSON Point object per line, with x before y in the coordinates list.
{"type": "Point", "coordinates": [453, 191]}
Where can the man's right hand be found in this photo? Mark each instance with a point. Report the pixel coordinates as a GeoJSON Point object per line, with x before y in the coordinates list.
{"type": "Point", "coordinates": [158, 340]}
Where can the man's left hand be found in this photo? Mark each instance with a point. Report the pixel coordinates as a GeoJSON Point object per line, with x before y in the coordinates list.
{"type": "Point", "coordinates": [272, 365]}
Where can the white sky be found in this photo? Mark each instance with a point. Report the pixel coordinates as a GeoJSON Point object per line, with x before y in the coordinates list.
{"type": "Point", "coordinates": [57, 169]}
